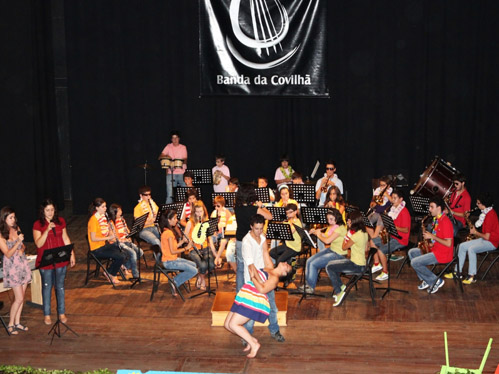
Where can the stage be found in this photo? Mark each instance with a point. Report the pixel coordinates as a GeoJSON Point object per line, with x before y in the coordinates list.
{"type": "Point", "coordinates": [122, 329]}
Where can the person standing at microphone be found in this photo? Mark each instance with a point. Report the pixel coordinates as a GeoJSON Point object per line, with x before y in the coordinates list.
{"type": "Point", "coordinates": [49, 232]}
{"type": "Point", "coordinates": [16, 271]}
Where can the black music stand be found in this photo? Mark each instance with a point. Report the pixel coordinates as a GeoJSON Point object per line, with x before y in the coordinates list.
{"type": "Point", "coordinates": [420, 204]}
{"type": "Point", "coordinates": [279, 231]}
{"type": "Point", "coordinates": [312, 215]}
{"type": "Point", "coordinates": [164, 207]}
{"type": "Point", "coordinates": [211, 227]}
{"type": "Point", "coordinates": [367, 223]}
{"type": "Point", "coordinates": [263, 194]}
{"type": "Point", "coordinates": [303, 193]}
{"type": "Point", "coordinates": [51, 257]}
{"type": "Point", "coordinates": [138, 225]}
{"type": "Point", "coordinates": [230, 198]}
{"type": "Point", "coordinates": [180, 193]}
{"type": "Point", "coordinates": [392, 231]}
{"type": "Point", "coordinates": [278, 213]}
{"type": "Point", "coordinates": [201, 176]}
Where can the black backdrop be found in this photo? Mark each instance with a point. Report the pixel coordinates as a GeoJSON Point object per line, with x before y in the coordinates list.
{"type": "Point", "coordinates": [408, 80]}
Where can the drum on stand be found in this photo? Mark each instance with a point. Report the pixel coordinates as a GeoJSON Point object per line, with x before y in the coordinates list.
{"type": "Point", "coordinates": [178, 163]}
{"type": "Point", "coordinates": [166, 162]}
{"type": "Point", "coordinates": [436, 180]}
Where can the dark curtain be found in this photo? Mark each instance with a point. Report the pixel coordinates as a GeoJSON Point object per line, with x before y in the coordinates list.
{"type": "Point", "coordinates": [29, 138]}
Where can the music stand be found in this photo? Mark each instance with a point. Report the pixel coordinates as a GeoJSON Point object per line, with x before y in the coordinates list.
{"type": "Point", "coordinates": [263, 194]}
{"type": "Point", "coordinates": [303, 193]}
{"type": "Point", "coordinates": [51, 257]}
{"type": "Point", "coordinates": [180, 193]}
{"type": "Point", "coordinates": [312, 215]}
{"type": "Point", "coordinates": [230, 198]}
{"type": "Point", "coordinates": [392, 231]}
{"type": "Point", "coordinates": [367, 223]}
{"type": "Point", "coordinates": [164, 207]}
{"type": "Point", "coordinates": [211, 228]}
{"type": "Point", "coordinates": [351, 208]}
{"type": "Point", "coordinates": [138, 225]}
{"type": "Point", "coordinates": [420, 204]}
{"type": "Point", "coordinates": [278, 213]}
{"type": "Point", "coordinates": [279, 231]}
{"type": "Point", "coordinates": [201, 176]}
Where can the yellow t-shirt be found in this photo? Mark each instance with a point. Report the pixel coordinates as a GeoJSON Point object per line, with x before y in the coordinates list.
{"type": "Point", "coordinates": [358, 250]}
{"type": "Point", "coordinates": [142, 208]}
{"type": "Point", "coordinates": [295, 244]}
{"type": "Point", "coordinates": [336, 244]}
{"type": "Point", "coordinates": [166, 253]}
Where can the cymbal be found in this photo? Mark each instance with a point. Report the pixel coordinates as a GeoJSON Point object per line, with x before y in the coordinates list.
{"type": "Point", "coordinates": [145, 166]}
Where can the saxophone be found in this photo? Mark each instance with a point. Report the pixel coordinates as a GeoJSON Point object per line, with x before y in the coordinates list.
{"type": "Point", "coordinates": [425, 244]}
{"type": "Point", "coordinates": [470, 224]}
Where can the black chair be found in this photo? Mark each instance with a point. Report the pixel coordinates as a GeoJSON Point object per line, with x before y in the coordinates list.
{"type": "Point", "coordinates": [159, 270]}
{"type": "Point", "coordinates": [355, 277]}
{"type": "Point", "coordinates": [98, 265]}
{"type": "Point", "coordinates": [450, 267]}
{"type": "Point", "coordinates": [487, 255]}
{"type": "Point", "coordinates": [3, 321]}
{"type": "Point", "coordinates": [406, 258]}
{"type": "Point", "coordinates": [145, 246]}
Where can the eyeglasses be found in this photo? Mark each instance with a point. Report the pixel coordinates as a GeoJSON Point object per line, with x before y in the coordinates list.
{"type": "Point", "coordinates": [218, 206]}
{"type": "Point", "coordinates": [457, 184]}
{"type": "Point", "coordinates": [329, 168]}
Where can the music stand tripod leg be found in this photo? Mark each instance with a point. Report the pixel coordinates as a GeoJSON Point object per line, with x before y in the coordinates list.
{"type": "Point", "coordinates": [388, 287]}
{"type": "Point", "coordinates": [208, 290]}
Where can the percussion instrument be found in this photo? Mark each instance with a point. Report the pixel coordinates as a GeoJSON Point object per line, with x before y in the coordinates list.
{"type": "Point", "coordinates": [217, 177]}
{"type": "Point", "coordinates": [436, 180]}
{"type": "Point", "coordinates": [178, 163]}
{"type": "Point", "coordinates": [166, 162]}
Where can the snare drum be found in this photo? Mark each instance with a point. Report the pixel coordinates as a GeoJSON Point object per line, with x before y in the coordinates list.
{"type": "Point", "coordinates": [436, 180]}
{"type": "Point", "coordinates": [178, 163]}
{"type": "Point", "coordinates": [166, 162]}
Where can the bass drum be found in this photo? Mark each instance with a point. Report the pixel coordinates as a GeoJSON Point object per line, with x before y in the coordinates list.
{"type": "Point", "coordinates": [436, 180]}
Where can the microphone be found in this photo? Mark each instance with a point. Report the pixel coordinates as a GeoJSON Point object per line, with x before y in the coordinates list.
{"type": "Point", "coordinates": [53, 228]}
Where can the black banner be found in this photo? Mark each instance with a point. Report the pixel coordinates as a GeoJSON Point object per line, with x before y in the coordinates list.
{"type": "Point", "coordinates": [263, 47]}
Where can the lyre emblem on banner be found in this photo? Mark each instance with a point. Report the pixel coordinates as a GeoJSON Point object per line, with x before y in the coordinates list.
{"type": "Point", "coordinates": [269, 23]}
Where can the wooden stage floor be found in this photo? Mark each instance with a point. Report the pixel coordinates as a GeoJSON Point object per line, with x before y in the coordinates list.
{"type": "Point", "coordinates": [122, 329]}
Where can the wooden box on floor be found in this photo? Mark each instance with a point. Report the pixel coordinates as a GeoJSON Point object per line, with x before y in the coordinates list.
{"type": "Point", "coordinates": [223, 302]}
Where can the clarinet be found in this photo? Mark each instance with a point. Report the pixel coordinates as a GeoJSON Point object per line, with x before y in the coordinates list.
{"type": "Point", "coordinates": [152, 212]}
{"type": "Point", "coordinates": [114, 232]}
{"type": "Point", "coordinates": [189, 240]}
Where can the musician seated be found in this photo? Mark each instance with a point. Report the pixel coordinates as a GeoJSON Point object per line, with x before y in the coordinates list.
{"type": "Point", "coordinates": [101, 239]}
{"type": "Point", "coordinates": [284, 198]}
{"type": "Point", "coordinates": [438, 244]}
{"type": "Point", "coordinates": [118, 222]}
{"type": "Point", "coordinates": [479, 242]}
{"type": "Point", "coordinates": [284, 172]}
{"type": "Point", "coordinates": [191, 198]}
{"type": "Point", "coordinates": [333, 239]}
{"type": "Point", "coordinates": [402, 220]}
{"type": "Point", "coordinates": [233, 185]}
{"type": "Point", "coordinates": [263, 182]}
{"type": "Point", "coordinates": [356, 243]}
{"type": "Point", "coordinates": [334, 199]}
{"type": "Point", "coordinates": [285, 252]}
{"type": "Point", "coordinates": [188, 179]}
{"type": "Point", "coordinates": [380, 203]}
{"type": "Point", "coordinates": [146, 205]}
{"type": "Point", "coordinates": [459, 202]}
{"type": "Point", "coordinates": [329, 179]}
{"type": "Point", "coordinates": [172, 242]}
{"type": "Point", "coordinates": [221, 174]}
{"type": "Point", "coordinates": [297, 178]}
{"type": "Point", "coordinates": [200, 243]}
{"type": "Point", "coordinates": [223, 215]}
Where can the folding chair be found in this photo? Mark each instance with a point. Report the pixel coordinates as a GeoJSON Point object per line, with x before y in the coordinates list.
{"type": "Point", "coordinates": [98, 265]}
{"type": "Point", "coordinates": [486, 255]}
{"type": "Point", "coordinates": [406, 258]}
{"type": "Point", "coordinates": [355, 277]}
{"type": "Point", "coordinates": [449, 267]}
{"type": "Point", "coordinates": [159, 269]}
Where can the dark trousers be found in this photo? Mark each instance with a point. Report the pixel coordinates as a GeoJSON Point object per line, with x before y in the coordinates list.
{"type": "Point", "coordinates": [111, 251]}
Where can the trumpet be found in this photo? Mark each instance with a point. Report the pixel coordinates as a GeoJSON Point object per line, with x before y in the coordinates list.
{"type": "Point", "coordinates": [425, 244]}
{"type": "Point", "coordinates": [328, 184]}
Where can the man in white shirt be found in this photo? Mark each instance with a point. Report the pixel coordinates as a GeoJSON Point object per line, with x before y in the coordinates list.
{"type": "Point", "coordinates": [329, 179]}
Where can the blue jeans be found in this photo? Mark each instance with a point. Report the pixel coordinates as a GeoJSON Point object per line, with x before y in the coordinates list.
{"type": "Point", "coordinates": [202, 262]}
{"type": "Point", "coordinates": [188, 270]}
{"type": "Point", "coordinates": [320, 245]}
{"type": "Point", "coordinates": [133, 253]}
{"type": "Point", "coordinates": [150, 235]}
{"type": "Point", "coordinates": [240, 266]}
{"type": "Point", "coordinates": [316, 263]}
{"type": "Point", "coordinates": [472, 248]}
{"type": "Point", "coordinates": [394, 245]}
{"type": "Point", "coordinates": [273, 326]}
{"type": "Point", "coordinates": [178, 181]}
{"type": "Point", "coordinates": [50, 280]}
{"type": "Point", "coordinates": [420, 262]}
{"type": "Point", "coordinates": [336, 267]}
{"type": "Point", "coordinates": [114, 252]}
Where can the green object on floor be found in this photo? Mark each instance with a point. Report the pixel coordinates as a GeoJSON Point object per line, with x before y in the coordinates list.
{"type": "Point", "coordinates": [447, 369]}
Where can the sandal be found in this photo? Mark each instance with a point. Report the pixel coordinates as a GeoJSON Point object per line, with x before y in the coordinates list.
{"type": "Point", "coordinates": [20, 327]}
{"type": "Point", "coordinates": [111, 279]}
{"type": "Point", "coordinates": [12, 330]}
{"type": "Point", "coordinates": [63, 318]}
{"type": "Point", "coordinates": [47, 320]}
{"type": "Point", "coordinates": [198, 282]}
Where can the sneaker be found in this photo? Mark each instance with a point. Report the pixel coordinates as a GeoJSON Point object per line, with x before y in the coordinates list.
{"type": "Point", "coordinates": [382, 276]}
{"type": "Point", "coordinates": [339, 298]}
{"type": "Point", "coordinates": [343, 287]}
{"type": "Point", "coordinates": [471, 279]}
{"type": "Point", "coordinates": [376, 268]}
{"type": "Point", "coordinates": [437, 286]}
{"type": "Point", "coordinates": [277, 336]}
{"type": "Point", "coordinates": [396, 258]}
{"type": "Point", "coordinates": [307, 288]}
{"type": "Point", "coordinates": [423, 286]}
{"type": "Point", "coordinates": [449, 276]}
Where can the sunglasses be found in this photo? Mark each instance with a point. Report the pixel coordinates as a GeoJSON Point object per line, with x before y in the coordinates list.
{"type": "Point", "coordinates": [329, 168]}
{"type": "Point", "coordinates": [218, 206]}
{"type": "Point", "coordinates": [146, 194]}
